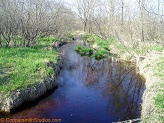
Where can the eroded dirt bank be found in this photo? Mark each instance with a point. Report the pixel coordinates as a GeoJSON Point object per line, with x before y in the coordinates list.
{"type": "Point", "coordinates": [9, 102]}
{"type": "Point", "coordinates": [145, 64]}
{"type": "Point", "coordinates": [149, 111]}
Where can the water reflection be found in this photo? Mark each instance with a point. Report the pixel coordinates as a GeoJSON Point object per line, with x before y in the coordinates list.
{"type": "Point", "coordinates": [119, 84]}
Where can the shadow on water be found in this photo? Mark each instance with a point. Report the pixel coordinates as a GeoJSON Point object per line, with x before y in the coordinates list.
{"type": "Point", "coordinates": [91, 91]}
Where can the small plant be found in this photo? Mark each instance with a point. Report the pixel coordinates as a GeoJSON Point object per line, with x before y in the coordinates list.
{"type": "Point", "coordinates": [84, 51]}
{"type": "Point", "coordinates": [100, 54]}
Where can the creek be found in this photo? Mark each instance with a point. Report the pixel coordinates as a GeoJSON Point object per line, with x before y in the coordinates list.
{"type": "Point", "coordinates": [90, 91]}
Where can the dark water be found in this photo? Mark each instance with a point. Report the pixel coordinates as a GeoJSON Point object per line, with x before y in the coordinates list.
{"type": "Point", "coordinates": [90, 91]}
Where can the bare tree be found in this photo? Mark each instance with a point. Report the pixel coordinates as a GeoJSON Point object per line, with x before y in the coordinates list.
{"type": "Point", "coordinates": [27, 20]}
{"type": "Point", "coordinates": [85, 11]}
{"type": "Point", "coordinates": [122, 14]}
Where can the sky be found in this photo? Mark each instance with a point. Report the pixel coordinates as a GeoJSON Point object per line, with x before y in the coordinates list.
{"type": "Point", "coordinates": [69, 1]}
{"type": "Point", "coordinates": [151, 5]}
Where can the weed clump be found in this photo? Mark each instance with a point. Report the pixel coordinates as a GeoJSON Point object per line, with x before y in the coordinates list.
{"type": "Point", "coordinates": [84, 51]}
{"type": "Point", "coordinates": [100, 54]}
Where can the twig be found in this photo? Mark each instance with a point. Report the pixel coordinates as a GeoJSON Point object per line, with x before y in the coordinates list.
{"type": "Point", "coordinates": [152, 12]}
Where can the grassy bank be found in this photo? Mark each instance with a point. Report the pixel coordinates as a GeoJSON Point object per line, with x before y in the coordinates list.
{"type": "Point", "coordinates": [152, 67]}
{"type": "Point", "coordinates": [22, 67]}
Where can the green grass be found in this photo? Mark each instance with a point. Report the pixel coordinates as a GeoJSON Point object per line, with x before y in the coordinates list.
{"type": "Point", "coordinates": [22, 67]}
{"type": "Point", "coordinates": [103, 44]}
{"type": "Point", "coordinates": [159, 72]}
{"type": "Point", "coordinates": [84, 51]}
{"type": "Point", "coordinates": [100, 54]}
{"type": "Point", "coordinates": [159, 68]}
{"type": "Point", "coordinates": [103, 47]}
{"type": "Point", "coordinates": [98, 41]}
{"type": "Point", "coordinates": [142, 50]}
{"type": "Point", "coordinates": [48, 40]}
{"type": "Point", "coordinates": [159, 100]}
{"type": "Point", "coordinates": [145, 49]}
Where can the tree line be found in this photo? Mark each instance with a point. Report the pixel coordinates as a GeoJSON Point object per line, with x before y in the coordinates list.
{"type": "Point", "coordinates": [131, 21]}
{"type": "Point", "coordinates": [22, 22]}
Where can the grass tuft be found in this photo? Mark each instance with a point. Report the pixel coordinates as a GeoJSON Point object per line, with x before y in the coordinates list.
{"type": "Point", "coordinates": [100, 54]}
{"type": "Point", "coordinates": [84, 51]}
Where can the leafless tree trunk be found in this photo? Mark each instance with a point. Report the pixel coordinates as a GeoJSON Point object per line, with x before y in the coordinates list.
{"type": "Point", "coordinates": [122, 14]}
{"type": "Point", "coordinates": [85, 12]}
{"type": "Point", "coordinates": [141, 4]}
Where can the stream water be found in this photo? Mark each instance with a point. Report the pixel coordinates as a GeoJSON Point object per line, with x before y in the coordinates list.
{"type": "Point", "coordinates": [90, 91]}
